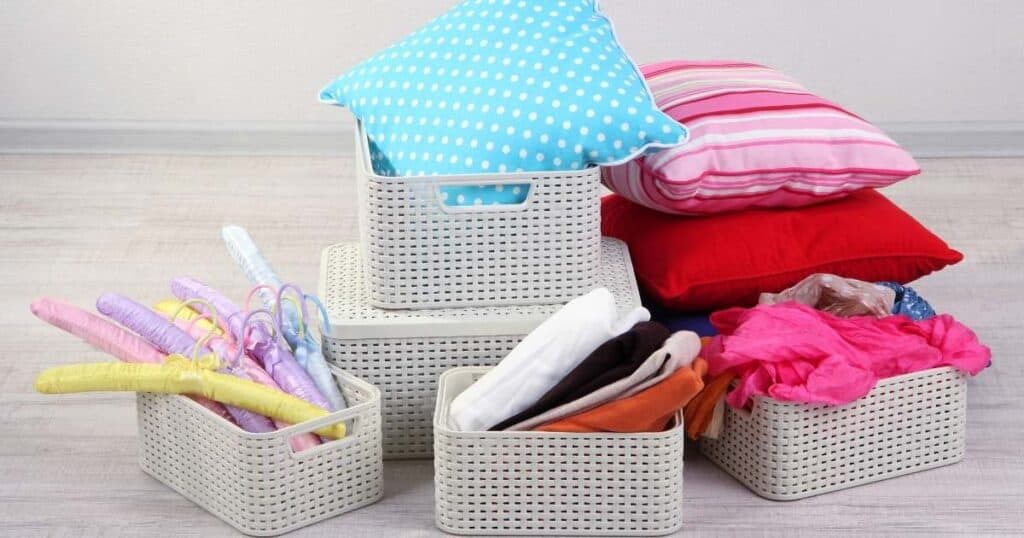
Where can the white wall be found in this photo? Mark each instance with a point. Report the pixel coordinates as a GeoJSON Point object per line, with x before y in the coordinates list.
{"type": "Point", "coordinates": [227, 64]}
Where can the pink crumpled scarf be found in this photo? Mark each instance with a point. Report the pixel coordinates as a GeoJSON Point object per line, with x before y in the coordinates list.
{"type": "Point", "coordinates": [792, 352]}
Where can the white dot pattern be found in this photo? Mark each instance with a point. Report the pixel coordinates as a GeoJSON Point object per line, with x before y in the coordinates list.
{"type": "Point", "coordinates": [497, 86]}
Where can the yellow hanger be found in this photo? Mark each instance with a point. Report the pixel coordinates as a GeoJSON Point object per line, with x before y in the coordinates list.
{"type": "Point", "coordinates": [179, 375]}
{"type": "Point", "coordinates": [176, 309]}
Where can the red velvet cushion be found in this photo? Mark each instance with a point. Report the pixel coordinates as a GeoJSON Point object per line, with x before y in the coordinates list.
{"type": "Point", "coordinates": [703, 263]}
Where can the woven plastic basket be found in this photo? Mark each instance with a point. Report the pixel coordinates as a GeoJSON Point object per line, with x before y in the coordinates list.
{"type": "Point", "coordinates": [787, 451]}
{"type": "Point", "coordinates": [419, 252]}
{"type": "Point", "coordinates": [255, 482]}
{"type": "Point", "coordinates": [530, 483]}
{"type": "Point", "coordinates": [403, 352]}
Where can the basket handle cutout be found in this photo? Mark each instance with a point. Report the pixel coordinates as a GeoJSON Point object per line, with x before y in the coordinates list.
{"type": "Point", "coordinates": [352, 416]}
{"type": "Point", "coordinates": [504, 196]}
{"type": "Point", "coordinates": [350, 438]}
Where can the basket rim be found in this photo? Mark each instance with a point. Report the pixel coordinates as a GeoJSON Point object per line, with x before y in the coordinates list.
{"type": "Point", "coordinates": [759, 399]}
{"type": "Point", "coordinates": [294, 429]}
{"type": "Point", "coordinates": [469, 321]}
{"type": "Point", "coordinates": [363, 167]}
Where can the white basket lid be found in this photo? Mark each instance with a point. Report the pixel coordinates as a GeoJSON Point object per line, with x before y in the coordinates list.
{"type": "Point", "coordinates": [343, 291]}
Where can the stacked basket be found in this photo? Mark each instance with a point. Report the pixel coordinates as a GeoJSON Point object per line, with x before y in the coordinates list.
{"type": "Point", "coordinates": [433, 287]}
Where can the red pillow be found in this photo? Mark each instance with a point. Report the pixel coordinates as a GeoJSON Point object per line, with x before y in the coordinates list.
{"type": "Point", "coordinates": [704, 263]}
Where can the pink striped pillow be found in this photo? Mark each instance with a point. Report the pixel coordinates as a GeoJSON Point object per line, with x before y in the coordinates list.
{"type": "Point", "coordinates": [757, 139]}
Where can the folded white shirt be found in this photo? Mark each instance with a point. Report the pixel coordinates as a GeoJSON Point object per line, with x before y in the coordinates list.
{"type": "Point", "coordinates": [541, 360]}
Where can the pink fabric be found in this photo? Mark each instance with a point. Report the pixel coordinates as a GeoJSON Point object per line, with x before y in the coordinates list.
{"type": "Point", "coordinates": [793, 352]}
{"type": "Point", "coordinates": [757, 139]}
{"type": "Point", "coordinates": [742, 102]}
{"type": "Point", "coordinates": [98, 332]}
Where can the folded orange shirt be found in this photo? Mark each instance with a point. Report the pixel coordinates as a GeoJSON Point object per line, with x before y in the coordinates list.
{"type": "Point", "coordinates": [648, 411]}
{"type": "Point", "coordinates": [701, 409]}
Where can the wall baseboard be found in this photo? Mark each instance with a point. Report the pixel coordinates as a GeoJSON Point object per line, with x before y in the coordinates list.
{"type": "Point", "coordinates": [959, 139]}
{"type": "Point", "coordinates": [923, 139]}
{"type": "Point", "coordinates": [201, 138]}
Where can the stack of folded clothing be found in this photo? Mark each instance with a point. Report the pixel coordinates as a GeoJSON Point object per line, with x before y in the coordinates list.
{"type": "Point", "coordinates": [586, 369]}
{"type": "Point", "coordinates": [771, 212]}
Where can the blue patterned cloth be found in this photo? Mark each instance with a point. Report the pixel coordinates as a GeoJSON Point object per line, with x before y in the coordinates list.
{"type": "Point", "coordinates": [908, 302]}
{"type": "Point", "coordinates": [502, 86]}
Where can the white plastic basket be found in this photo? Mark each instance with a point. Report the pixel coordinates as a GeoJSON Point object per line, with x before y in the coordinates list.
{"type": "Point", "coordinates": [530, 483]}
{"type": "Point", "coordinates": [255, 482]}
{"type": "Point", "coordinates": [419, 252]}
{"type": "Point", "coordinates": [786, 451]}
{"type": "Point", "coordinates": [403, 352]}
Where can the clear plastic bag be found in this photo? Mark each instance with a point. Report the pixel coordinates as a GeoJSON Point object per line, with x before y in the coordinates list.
{"type": "Point", "coordinates": [843, 297]}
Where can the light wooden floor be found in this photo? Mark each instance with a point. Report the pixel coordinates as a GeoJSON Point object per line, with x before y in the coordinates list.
{"type": "Point", "coordinates": [75, 226]}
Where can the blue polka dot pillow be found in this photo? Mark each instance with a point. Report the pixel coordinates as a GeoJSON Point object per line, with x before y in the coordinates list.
{"type": "Point", "coordinates": [497, 86]}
